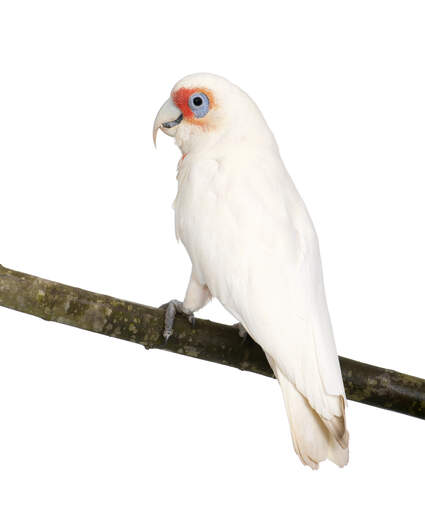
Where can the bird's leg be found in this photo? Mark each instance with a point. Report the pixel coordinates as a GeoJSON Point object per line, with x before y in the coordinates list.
{"type": "Point", "coordinates": [197, 296]}
{"type": "Point", "coordinates": [243, 333]}
{"type": "Point", "coordinates": [171, 309]}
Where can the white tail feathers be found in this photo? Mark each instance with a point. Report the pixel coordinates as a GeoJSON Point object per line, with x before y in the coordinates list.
{"type": "Point", "coordinates": [315, 438]}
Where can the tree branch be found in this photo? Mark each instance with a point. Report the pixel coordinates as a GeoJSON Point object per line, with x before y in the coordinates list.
{"type": "Point", "coordinates": [210, 341]}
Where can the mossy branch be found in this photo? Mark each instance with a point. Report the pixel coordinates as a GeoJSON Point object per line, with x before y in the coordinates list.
{"type": "Point", "coordinates": [207, 340]}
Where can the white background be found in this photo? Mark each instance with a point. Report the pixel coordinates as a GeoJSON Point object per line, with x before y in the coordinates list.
{"type": "Point", "coordinates": [90, 423]}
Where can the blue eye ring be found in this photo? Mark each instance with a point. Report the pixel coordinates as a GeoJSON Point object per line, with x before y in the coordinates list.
{"type": "Point", "coordinates": [199, 104]}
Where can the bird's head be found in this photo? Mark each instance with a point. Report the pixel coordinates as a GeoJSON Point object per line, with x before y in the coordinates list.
{"type": "Point", "coordinates": [203, 108]}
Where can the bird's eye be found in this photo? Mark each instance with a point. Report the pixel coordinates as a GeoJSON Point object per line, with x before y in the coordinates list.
{"type": "Point", "coordinates": [199, 104]}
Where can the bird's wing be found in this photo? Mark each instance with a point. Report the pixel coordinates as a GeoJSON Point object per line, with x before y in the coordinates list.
{"type": "Point", "coordinates": [252, 243]}
{"type": "Point", "coordinates": [276, 286]}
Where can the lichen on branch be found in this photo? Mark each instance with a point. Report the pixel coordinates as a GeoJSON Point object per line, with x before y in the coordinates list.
{"type": "Point", "coordinates": [207, 340]}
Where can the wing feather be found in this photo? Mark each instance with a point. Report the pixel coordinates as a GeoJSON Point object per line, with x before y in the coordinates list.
{"type": "Point", "coordinates": [253, 243]}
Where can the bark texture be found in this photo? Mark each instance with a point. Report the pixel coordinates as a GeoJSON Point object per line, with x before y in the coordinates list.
{"type": "Point", "coordinates": [207, 340]}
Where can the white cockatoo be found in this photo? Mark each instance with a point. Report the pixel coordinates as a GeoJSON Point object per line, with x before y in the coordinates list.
{"type": "Point", "coordinates": [253, 247]}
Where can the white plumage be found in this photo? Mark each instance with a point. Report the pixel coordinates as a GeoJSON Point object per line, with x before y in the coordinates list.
{"type": "Point", "coordinates": [253, 246]}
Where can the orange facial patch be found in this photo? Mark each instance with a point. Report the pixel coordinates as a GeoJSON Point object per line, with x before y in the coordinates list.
{"type": "Point", "coordinates": [181, 100]}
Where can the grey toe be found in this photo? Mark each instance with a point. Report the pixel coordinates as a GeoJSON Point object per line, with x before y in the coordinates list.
{"type": "Point", "coordinates": [171, 309]}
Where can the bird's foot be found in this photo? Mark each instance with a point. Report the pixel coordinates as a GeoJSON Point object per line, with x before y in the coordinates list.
{"type": "Point", "coordinates": [243, 333]}
{"type": "Point", "coordinates": [171, 309]}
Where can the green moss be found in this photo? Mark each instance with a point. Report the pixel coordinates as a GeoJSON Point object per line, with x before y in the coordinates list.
{"type": "Point", "coordinates": [208, 340]}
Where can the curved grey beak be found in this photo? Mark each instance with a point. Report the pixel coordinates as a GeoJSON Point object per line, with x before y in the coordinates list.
{"type": "Point", "coordinates": [168, 117]}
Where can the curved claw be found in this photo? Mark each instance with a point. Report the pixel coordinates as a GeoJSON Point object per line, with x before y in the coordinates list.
{"type": "Point", "coordinates": [243, 333]}
{"type": "Point", "coordinates": [167, 334]}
